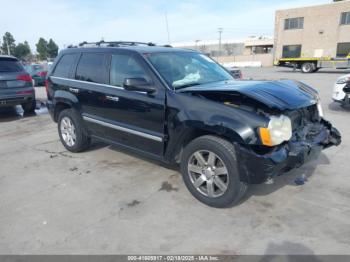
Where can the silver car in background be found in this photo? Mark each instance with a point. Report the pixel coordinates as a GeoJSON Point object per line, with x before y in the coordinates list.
{"type": "Point", "coordinates": [16, 87]}
{"type": "Point", "coordinates": [341, 90]}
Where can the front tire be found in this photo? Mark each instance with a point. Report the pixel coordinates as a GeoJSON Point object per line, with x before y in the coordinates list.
{"type": "Point", "coordinates": [71, 130]}
{"type": "Point", "coordinates": [209, 170]}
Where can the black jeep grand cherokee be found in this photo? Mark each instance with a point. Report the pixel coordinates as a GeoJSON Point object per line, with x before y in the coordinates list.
{"type": "Point", "coordinates": [179, 106]}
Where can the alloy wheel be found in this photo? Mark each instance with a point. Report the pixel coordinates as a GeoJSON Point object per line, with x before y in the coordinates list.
{"type": "Point", "coordinates": [208, 173]}
{"type": "Point", "coordinates": [68, 132]}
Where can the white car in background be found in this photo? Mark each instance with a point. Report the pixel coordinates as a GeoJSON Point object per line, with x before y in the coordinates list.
{"type": "Point", "coordinates": [341, 90]}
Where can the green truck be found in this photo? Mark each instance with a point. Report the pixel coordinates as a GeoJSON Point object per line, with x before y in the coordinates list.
{"type": "Point", "coordinates": [313, 64]}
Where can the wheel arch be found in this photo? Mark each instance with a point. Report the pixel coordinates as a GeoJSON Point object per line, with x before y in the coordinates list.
{"type": "Point", "coordinates": [175, 148]}
{"type": "Point", "coordinates": [64, 100]}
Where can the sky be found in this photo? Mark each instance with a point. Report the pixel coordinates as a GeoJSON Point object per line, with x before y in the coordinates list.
{"type": "Point", "coordinates": [74, 21]}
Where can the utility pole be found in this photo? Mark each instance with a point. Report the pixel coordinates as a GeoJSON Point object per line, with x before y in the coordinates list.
{"type": "Point", "coordinates": [220, 33]}
{"type": "Point", "coordinates": [8, 48]}
{"type": "Point", "coordinates": [167, 27]}
{"type": "Point", "coordinates": [196, 41]}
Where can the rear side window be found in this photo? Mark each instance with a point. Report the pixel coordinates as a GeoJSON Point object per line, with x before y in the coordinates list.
{"type": "Point", "coordinates": [125, 66]}
{"type": "Point", "coordinates": [91, 68]}
{"type": "Point", "coordinates": [64, 66]}
{"type": "Point", "coordinates": [8, 65]}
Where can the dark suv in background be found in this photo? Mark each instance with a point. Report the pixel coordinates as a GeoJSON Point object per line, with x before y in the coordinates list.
{"type": "Point", "coordinates": [180, 106]}
{"type": "Point", "coordinates": [16, 87]}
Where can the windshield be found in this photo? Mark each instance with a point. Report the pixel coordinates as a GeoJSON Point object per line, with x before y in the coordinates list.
{"type": "Point", "coordinates": [33, 69]}
{"type": "Point", "coordinates": [184, 69]}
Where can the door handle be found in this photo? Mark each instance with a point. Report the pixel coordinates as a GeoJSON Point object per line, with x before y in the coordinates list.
{"type": "Point", "coordinates": [74, 90]}
{"type": "Point", "coordinates": [113, 98]}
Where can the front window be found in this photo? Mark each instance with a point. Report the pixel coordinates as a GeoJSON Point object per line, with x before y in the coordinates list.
{"type": "Point", "coordinates": [124, 66]}
{"type": "Point", "coordinates": [183, 69]}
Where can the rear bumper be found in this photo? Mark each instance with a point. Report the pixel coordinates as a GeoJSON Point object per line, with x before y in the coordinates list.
{"type": "Point", "coordinates": [256, 168]}
{"type": "Point", "coordinates": [16, 96]}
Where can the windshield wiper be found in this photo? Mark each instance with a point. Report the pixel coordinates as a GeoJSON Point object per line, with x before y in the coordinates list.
{"type": "Point", "coordinates": [187, 85]}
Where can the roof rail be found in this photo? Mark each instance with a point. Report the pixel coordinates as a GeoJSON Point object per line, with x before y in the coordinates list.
{"type": "Point", "coordinates": [114, 43]}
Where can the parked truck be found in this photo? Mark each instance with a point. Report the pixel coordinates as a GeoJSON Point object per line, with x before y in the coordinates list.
{"type": "Point", "coordinates": [313, 64]}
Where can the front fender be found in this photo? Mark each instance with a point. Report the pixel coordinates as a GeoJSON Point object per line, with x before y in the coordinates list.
{"type": "Point", "coordinates": [186, 110]}
{"type": "Point", "coordinates": [189, 117]}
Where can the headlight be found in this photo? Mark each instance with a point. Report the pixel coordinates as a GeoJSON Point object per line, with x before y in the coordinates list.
{"type": "Point", "coordinates": [319, 108]}
{"type": "Point", "coordinates": [278, 131]}
{"type": "Point", "coordinates": [343, 80]}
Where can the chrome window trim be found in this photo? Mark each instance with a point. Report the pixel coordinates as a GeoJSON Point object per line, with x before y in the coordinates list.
{"type": "Point", "coordinates": [123, 129]}
{"type": "Point", "coordinates": [86, 82]}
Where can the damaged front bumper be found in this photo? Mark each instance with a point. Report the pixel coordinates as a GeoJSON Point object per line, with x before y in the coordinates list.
{"type": "Point", "coordinates": [306, 144]}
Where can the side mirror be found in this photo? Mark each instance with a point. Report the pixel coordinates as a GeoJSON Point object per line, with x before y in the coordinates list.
{"type": "Point", "coordinates": [138, 84]}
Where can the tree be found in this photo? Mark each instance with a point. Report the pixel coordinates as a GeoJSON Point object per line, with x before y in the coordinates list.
{"type": "Point", "coordinates": [22, 50]}
{"type": "Point", "coordinates": [41, 48]}
{"type": "Point", "coordinates": [8, 44]}
{"type": "Point", "coordinates": [52, 49]}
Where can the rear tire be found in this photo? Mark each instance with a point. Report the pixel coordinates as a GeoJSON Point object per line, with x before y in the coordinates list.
{"type": "Point", "coordinates": [214, 178]}
{"type": "Point", "coordinates": [308, 67]}
{"type": "Point", "coordinates": [29, 107]}
{"type": "Point", "coordinates": [72, 132]}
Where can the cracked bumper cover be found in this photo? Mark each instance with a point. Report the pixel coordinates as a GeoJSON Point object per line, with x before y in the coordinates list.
{"type": "Point", "coordinates": [256, 168]}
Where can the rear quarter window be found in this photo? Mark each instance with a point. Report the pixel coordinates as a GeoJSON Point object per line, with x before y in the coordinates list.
{"type": "Point", "coordinates": [92, 68]}
{"type": "Point", "coordinates": [8, 65]}
{"type": "Point", "coordinates": [64, 66]}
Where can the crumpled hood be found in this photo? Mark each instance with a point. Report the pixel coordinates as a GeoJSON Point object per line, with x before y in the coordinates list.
{"type": "Point", "coordinates": [281, 95]}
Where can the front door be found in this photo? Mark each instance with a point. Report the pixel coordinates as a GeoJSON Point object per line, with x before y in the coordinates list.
{"type": "Point", "coordinates": [134, 119]}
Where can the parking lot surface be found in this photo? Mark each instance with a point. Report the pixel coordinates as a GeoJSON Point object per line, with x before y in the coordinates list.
{"type": "Point", "coordinates": [109, 201]}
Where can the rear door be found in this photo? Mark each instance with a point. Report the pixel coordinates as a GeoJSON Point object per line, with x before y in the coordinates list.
{"type": "Point", "coordinates": [81, 75]}
{"type": "Point", "coordinates": [91, 79]}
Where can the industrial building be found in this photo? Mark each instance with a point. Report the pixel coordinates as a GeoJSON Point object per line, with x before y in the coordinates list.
{"type": "Point", "coordinates": [253, 51]}
{"type": "Point", "coordinates": [314, 31]}
{"type": "Point", "coordinates": [307, 32]}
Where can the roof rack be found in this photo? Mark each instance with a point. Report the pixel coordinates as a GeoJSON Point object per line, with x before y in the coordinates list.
{"type": "Point", "coordinates": [113, 44]}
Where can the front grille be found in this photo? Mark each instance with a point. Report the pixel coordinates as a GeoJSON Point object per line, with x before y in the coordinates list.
{"type": "Point", "coordinates": [302, 116]}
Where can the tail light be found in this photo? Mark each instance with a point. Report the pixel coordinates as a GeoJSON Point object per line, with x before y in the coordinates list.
{"type": "Point", "coordinates": [240, 75]}
{"type": "Point", "coordinates": [25, 78]}
{"type": "Point", "coordinates": [42, 73]}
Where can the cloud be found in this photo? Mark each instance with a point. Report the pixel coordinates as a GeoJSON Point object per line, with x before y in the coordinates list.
{"type": "Point", "coordinates": [71, 22]}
